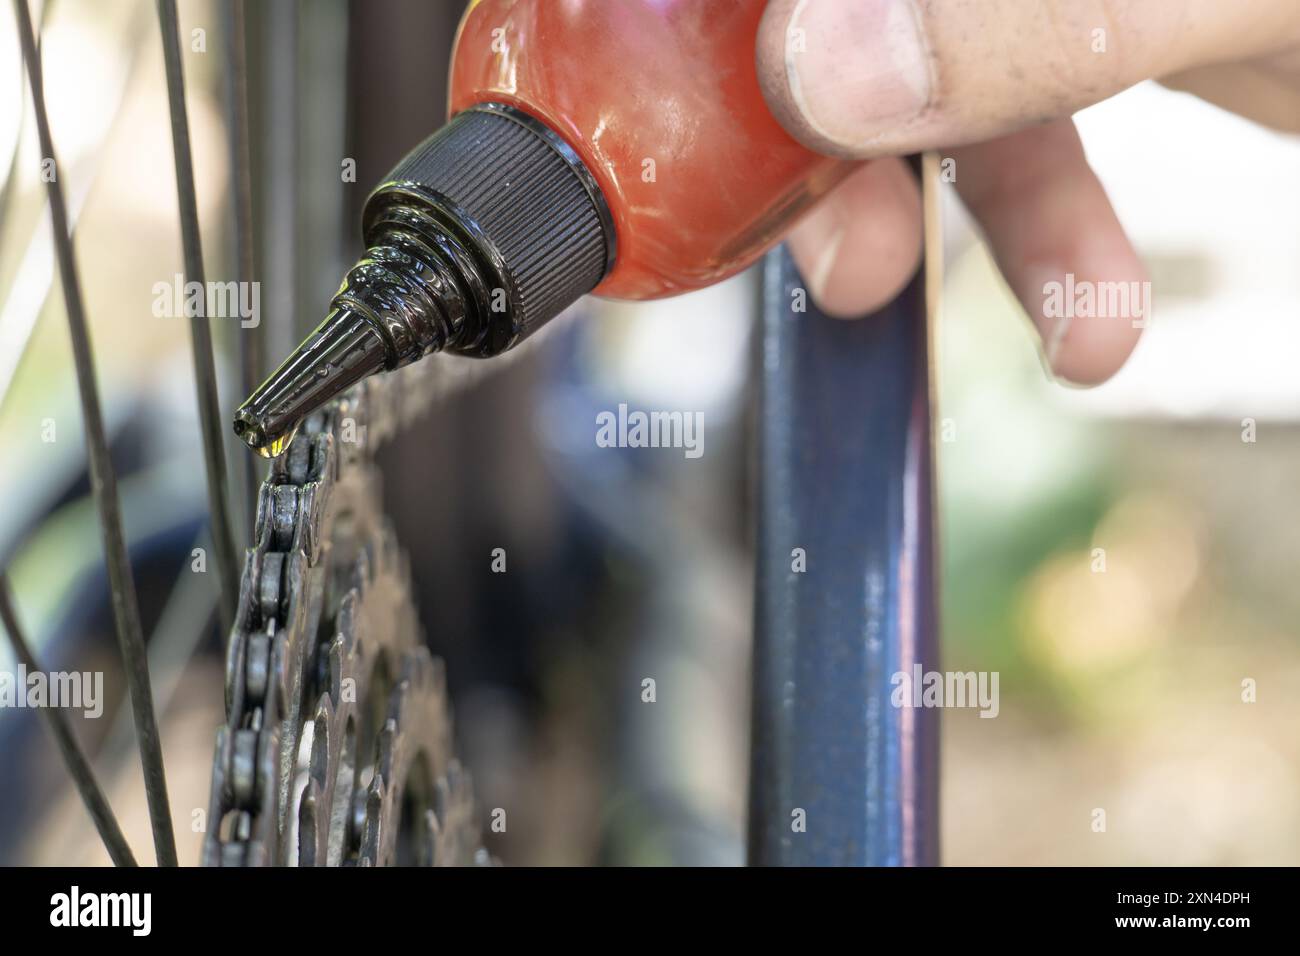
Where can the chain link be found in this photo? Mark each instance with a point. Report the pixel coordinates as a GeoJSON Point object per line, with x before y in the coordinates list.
{"type": "Point", "coordinates": [337, 746]}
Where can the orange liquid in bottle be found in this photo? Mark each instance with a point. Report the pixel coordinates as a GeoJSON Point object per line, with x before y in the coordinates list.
{"type": "Point", "coordinates": [661, 100]}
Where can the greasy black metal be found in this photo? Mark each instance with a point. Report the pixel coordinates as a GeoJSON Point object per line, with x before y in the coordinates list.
{"type": "Point", "coordinates": [838, 775]}
{"type": "Point", "coordinates": [73, 757]}
{"type": "Point", "coordinates": [327, 648]}
{"type": "Point", "coordinates": [241, 192]}
{"type": "Point", "coordinates": [205, 370]}
{"type": "Point", "coordinates": [103, 480]}
{"type": "Point", "coordinates": [481, 235]}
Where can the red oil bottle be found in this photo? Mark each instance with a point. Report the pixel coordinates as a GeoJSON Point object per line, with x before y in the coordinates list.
{"type": "Point", "coordinates": [661, 100]}
{"type": "Point", "coordinates": [620, 146]}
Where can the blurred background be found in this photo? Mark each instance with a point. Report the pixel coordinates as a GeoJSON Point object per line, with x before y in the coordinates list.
{"type": "Point", "coordinates": [1120, 690]}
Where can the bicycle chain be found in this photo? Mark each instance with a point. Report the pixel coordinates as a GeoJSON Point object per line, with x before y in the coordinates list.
{"type": "Point", "coordinates": [337, 746]}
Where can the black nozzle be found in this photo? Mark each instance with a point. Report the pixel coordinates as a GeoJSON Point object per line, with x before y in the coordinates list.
{"type": "Point", "coordinates": [344, 349]}
{"type": "Point", "coordinates": [482, 234]}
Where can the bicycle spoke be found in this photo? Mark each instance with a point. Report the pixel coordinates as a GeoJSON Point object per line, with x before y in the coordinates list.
{"type": "Point", "coordinates": [73, 756]}
{"type": "Point", "coordinates": [237, 122]}
{"type": "Point", "coordinates": [205, 372]}
{"type": "Point", "coordinates": [103, 481]}
{"type": "Point", "coordinates": [11, 171]}
{"type": "Point", "coordinates": [176, 636]}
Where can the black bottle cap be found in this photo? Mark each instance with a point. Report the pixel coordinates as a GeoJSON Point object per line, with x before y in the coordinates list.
{"type": "Point", "coordinates": [484, 232]}
{"type": "Point", "coordinates": [517, 196]}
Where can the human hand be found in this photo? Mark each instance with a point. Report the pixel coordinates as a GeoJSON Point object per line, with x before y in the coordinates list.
{"type": "Point", "coordinates": [993, 83]}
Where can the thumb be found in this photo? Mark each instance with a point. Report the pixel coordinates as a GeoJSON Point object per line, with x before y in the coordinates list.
{"type": "Point", "coordinates": [862, 78]}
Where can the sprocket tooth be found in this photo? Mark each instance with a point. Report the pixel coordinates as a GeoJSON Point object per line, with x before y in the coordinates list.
{"type": "Point", "coordinates": [328, 586]}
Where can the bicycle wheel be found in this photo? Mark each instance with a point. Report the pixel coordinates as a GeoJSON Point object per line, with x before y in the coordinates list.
{"type": "Point", "coordinates": [337, 748]}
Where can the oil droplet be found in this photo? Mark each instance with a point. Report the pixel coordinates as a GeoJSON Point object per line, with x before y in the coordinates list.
{"type": "Point", "coordinates": [276, 447]}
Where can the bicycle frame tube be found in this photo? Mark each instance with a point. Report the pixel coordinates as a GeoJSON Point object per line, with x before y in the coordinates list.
{"type": "Point", "coordinates": [845, 585]}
